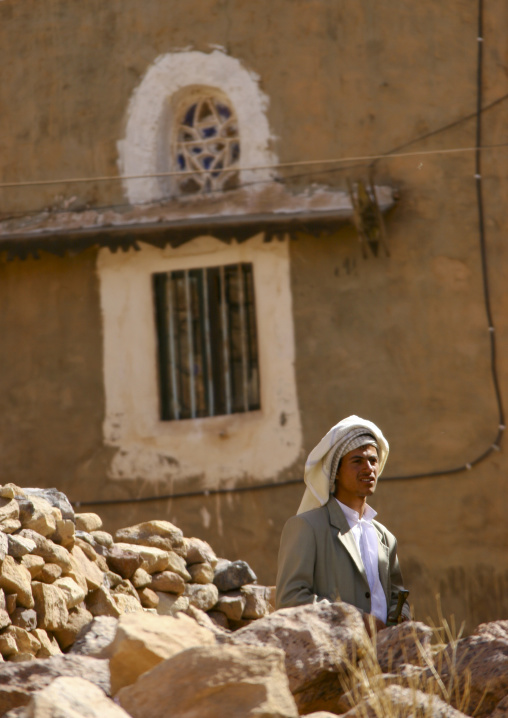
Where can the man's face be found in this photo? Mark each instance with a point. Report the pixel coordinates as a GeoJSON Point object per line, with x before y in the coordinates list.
{"type": "Point", "coordinates": [357, 475]}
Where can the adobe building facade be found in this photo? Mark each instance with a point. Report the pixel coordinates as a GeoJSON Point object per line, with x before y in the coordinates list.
{"type": "Point", "coordinates": [137, 409]}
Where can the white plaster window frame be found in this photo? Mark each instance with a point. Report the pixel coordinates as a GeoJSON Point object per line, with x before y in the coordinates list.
{"type": "Point", "coordinates": [220, 450]}
{"type": "Point", "coordinates": [144, 149]}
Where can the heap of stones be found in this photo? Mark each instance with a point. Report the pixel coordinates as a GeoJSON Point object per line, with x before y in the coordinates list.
{"type": "Point", "coordinates": [59, 570]}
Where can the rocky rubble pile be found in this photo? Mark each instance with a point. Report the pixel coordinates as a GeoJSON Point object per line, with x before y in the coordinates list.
{"type": "Point", "coordinates": [149, 623]}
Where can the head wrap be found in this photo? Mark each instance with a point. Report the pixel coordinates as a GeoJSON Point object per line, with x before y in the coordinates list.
{"type": "Point", "coordinates": [321, 465]}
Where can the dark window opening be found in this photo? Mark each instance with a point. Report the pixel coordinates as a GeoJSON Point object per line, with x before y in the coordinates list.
{"type": "Point", "coordinates": [207, 342]}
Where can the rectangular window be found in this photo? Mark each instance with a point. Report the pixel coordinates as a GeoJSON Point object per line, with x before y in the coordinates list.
{"type": "Point", "coordinates": [207, 341]}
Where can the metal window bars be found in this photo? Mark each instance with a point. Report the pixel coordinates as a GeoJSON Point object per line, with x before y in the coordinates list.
{"type": "Point", "coordinates": [207, 342]}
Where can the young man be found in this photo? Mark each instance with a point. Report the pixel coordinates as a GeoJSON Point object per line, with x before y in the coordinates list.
{"type": "Point", "coordinates": [333, 550]}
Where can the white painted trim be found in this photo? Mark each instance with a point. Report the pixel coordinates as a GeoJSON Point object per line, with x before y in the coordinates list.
{"type": "Point", "coordinates": [220, 450]}
{"type": "Point", "coordinates": [144, 150]}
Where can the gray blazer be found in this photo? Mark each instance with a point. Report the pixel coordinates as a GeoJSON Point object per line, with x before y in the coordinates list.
{"type": "Point", "coordinates": [319, 560]}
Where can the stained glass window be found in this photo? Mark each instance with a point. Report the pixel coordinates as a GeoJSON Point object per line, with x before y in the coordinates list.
{"type": "Point", "coordinates": [208, 145]}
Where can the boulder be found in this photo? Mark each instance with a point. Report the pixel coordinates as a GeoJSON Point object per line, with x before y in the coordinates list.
{"type": "Point", "coordinates": [49, 573]}
{"type": "Point", "coordinates": [158, 534]}
{"type": "Point", "coordinates": [37, 514]}
{"type": "Point", "coordinates": [15, 578]}
{"type": "Point", "coordinates": [95, 637]}
{"type": "Point", "coordinates": [408, 642]}
{"type": "Point", "coordinates": [18, 546]}
{"type": "Point", "coordinates": [203, 597]}
{"type": "Point", "coordinates": [78, 619]}
{"type": "Point", "coordinates": [170, 604]}
{"type": "Point", "coordinates": [167, 581]}
{"type": "Point", "coordinates": [123, 561]}
{"type": "Point", "coordinates": [230, 575]}
{"type": "Point", "coordinates": [177, 564]}
{"type": "Point", "coordinates": [9, 511]}
{"type": "Point", "coordinates": [479, 661]}
{"type": "Point", "coordinates": [143, 640]}
{"type": "Point", "coordinates": [233, 681]}
{"type": "Point", "coordinates": [201, 573]}
{"type": "Point", "coordinates": [65, 533]}
{"type": "Point", "coordinates": [321, 642]}
{"type": "Point", "coordinates": [25, 642]}
{"type": "Point", "coordinates": [101, 603]}
{"type": "Point", "coordinates": [198, 551]}
{"type": "Point", "coordinates": [74, 697]}
{"type": "Point", "coordinates": [51, 606]}
{"type": "Point", "coordinates": [19, 681]}
{"type": "Point", "coordinates": [74, 594]}
{"type": "Point", "coordinates": [34, 564]}
{"type": "Point", "coordinates": [54, 497]}
{"type": "Point", "coordinates": [88, 522]}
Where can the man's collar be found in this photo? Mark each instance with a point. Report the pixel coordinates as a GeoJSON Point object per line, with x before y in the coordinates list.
{"type": "Point", "coordinates": [352, 515]}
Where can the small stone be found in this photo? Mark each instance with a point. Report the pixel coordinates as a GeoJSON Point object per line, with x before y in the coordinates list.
{"type": "Point", "coordinates": [82, 566]}
{"type": "Point", "coordinates": [49, 573]}
{"type": "Point", "coordinates": [49, 646]}
{"type": "Point", "coordinates": [88, 522]}
{"type": "Point", "coordinates": [231, 575]}
{"type": "Point", "coordinates": [11, 602]}
{"type": "Point", "coordinates": [74, 594]}
{"type": "Point", "coordinates": [101, 603]}
{"type": "Point", "coordinates": [51, 606]}
{"type": "Point", "coordinates": [112, 579]}
{"type": "Point", "coordinates": [9, 510]}
{"type": "Point", "coordinates": [123, 561]}
{"type": "Point", "coordinates": [25, 641]}
{"type": "Point", "coordinates": [126, 588]}
{"type": "Point", "coordinates": [231, 605]}
{"type": "Point", "coordinates": [49, 551]}
{"type": "Point", "coordinates": [5, 619]}
{"type": "Point", "coordinates": [79, 618]}
{"type": "Point", "coordinates": [15, 578]}
{"type": "Point", "coordinates": [103, 538]}
{"type": "Point", "coordinates": [4, 545]}
{"type": "Point", "coordinates": [153, 559]}
{"type": "Point", "coordinates": [65, 533]}
{"type": "Point", "coordinates": [19, 546]}
{"type": "Point", "coordinates": [34, 564]}
{"type": "Point", "coordinates": [8, 645]}
{"type": "Point", "coordinates": [127, 604]}
{"type": "Point", "coordinates": [199, 551]}
{"type": "Point", "coordinates": [10, 526]}
{"type": "Point", "coordinates": [177, 564]}
{"type": "Point", "coordinates": [148, 598]}
{"type": "Point", "coordinates": [7, 491]}
{"type": "Point", "coordinates": [157, 534]}
{"type": "Point", "coordinates": [56, 498]}
{"type": "Point", "coordinates": [170, 604]}
{"type": "Point", "coordinates": [203, 597]}
{"type": "Point", "coordinates": [141, 578]}
{"type": "Point", "coordinates": [168, 582]}
{"type": "Point", "coordinates": [255, 602]}
{"type": "Point", "coordinates": [36, 513]}
{"type": "Point", "coordinates": [201, 573]}
{"type": "Point", "coordinates": [25, 618]}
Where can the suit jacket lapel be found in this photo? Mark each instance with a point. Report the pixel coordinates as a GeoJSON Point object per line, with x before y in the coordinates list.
{"type": "Point", "coordinates": [383, 562]}
{"type": "Point", "coordinates": [345, 536]}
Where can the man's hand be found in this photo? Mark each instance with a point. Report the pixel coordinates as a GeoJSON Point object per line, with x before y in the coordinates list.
{"type": "Point", "coordinates": [373, 624]}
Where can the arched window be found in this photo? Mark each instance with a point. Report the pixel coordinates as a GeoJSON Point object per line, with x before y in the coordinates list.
{"type": "Point", "coordinates": [206, 146]}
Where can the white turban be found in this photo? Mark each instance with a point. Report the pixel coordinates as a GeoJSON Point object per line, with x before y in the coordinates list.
{"type": "Point", "coordinates": [321, 466]}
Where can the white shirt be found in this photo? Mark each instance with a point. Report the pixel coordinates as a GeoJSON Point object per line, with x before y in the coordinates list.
{"type": "Point", "coordinates": [368, 543]}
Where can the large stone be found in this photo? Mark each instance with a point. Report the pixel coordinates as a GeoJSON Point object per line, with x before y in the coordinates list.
{"type": "Point", "coordinates": [141, 578]}
{"type": "Point", "coordinates": [143, 640]}
{"type": "Point", "coordinates": [396, 700]}
{"type": "Point", "coordinates": [73, 697]}
{"type": "Point", "coordinates": [321, 642]}
{"type": "Point", "coordinates": [15, 578]}
{"type": "Point", "coordinates": [101, 603]}
{"type": "Point", "coordinates": [51, 606]}
{"type": "Point", "coordinates": [177, 564]}
{"type": "Point", "coordinates": [168, 582]}
{"type": "Point", "coordinates": [19, 546]}
{"type": "Point", "coordinates": [19, 681]}
{"type": "Point", "coordinates": [102, 538]}
{"type": "Point", "coordinates": [201, 573]}
{"type": "Point", "coordinates": [170, 604]}
{"type": "Point", "coordinates": [480, 662]}
{"type": "Point", "coordinates": [230, 575]}
{"type": "Point", "coordinates": [74, 594]}
{"type": "Point", "coordinates": [25, 618]}
{"type": "Point", "coordinates": [158, 534]}
{"type": "Point", "coordinates": [88, 522]}
{"type": "Point", "coordinates": [233, 681]}
{"type": "Point", "coordinates": [25, 642]}
{"type": "Point", "coordinates": [203, 597]}
{"type": "Point", "coordinates": [95, 637]}
{"type": "Point", "coordinates": [153, 559]}
{"type": "Point", "coordinates": [82, 566]}
{"type": "Point", "coordinates": [148, 598]}
{"type": "Point", "coordinates": [49, 646]}
{"type": "Point", "coordinates": [37, 514]}
{"type": "Point", "coordinates": [408, 642]}
{"type": "Point", "coordinates": [56, 498]}
{"type": "Point", "coordinates": [78, 619]}
{"type": "Point", "coordinates": [49, 573]}
{"type": "Point", "coordinates": [8, 645]}
{"type": "Point", "coordinates": [49, 551]}
{"type": "Point", "coordinates": [9, 509]}
{"type": "Point", "coordinates": [34, 564]}
{"type": "Point", "coordinates": [199, 551]}
{"type": "Point", "coordinates": [127, 604]}
{"type": "Point", "coordinates": [65, 533]}
{"type": "Point", "coordinates": [123, 561]}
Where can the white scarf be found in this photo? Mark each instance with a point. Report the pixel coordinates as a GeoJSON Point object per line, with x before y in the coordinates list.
{"type": "Point", "coordinates": [319, 464]}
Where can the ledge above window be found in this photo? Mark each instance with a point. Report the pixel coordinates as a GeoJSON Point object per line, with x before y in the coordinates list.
{"type": "Point", "coordinates": [237, 214]}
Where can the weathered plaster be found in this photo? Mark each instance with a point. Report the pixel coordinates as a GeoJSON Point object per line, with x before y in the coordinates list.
{"type": "Point", "coordinates": [220, 449]}
{"type": "Point", "coordinates": [149, 118]}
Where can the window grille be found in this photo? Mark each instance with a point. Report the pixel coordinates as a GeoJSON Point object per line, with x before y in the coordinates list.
{"type": "Point", "coordinates": [207, 140]}
{"type": "Point", "coordinates": [207, 342]}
